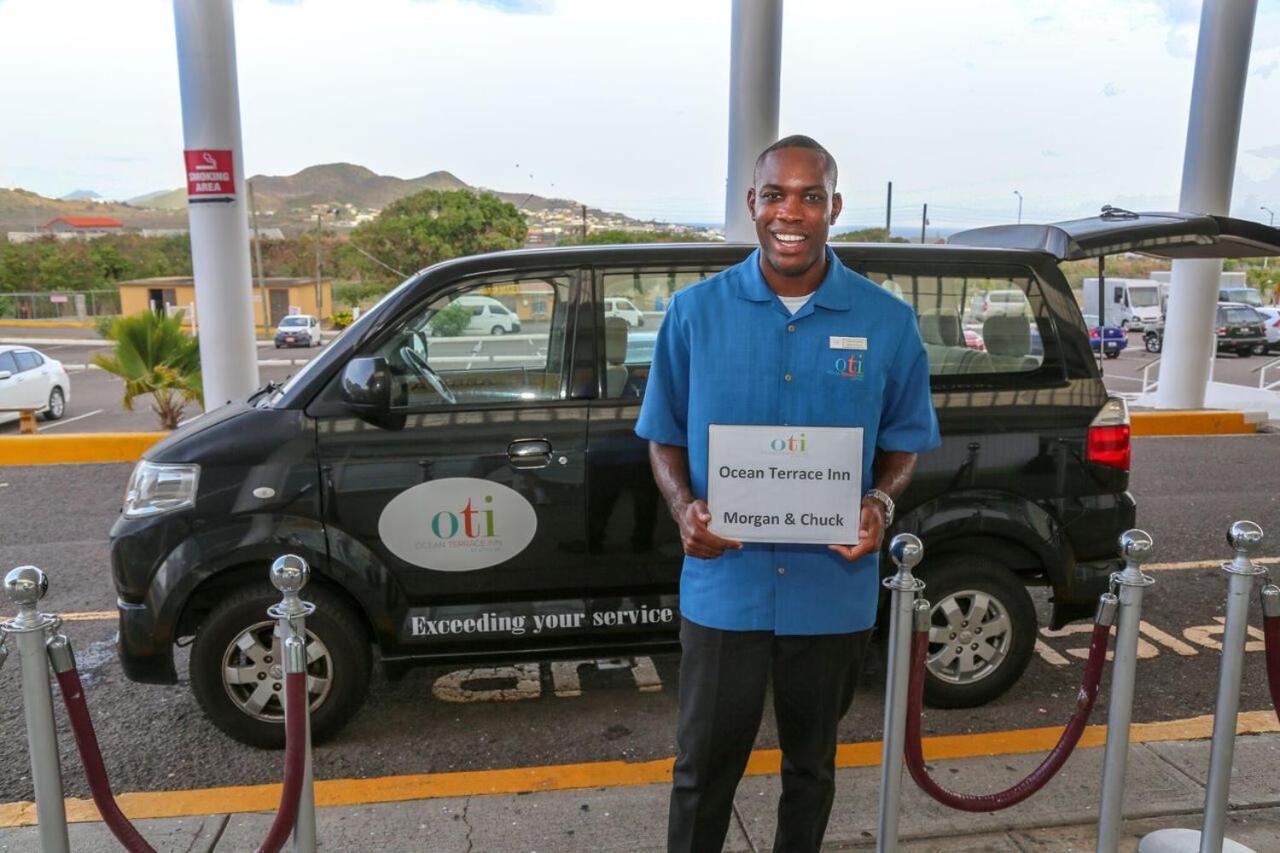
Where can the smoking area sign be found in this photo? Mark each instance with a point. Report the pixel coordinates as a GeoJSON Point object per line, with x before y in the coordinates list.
{"type": "Point", "coordinates": [785, 483]}
{"type": "Point", "coordinates": [210, 174]}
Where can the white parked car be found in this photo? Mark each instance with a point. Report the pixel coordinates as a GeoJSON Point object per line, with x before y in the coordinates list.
{"type": "Point", "coordinates": [624, 308]}
{"type": "Point", "coordinates": [1005, 303]}
{"type": "Point", "coordinates": [488, 316]}
{"type": "Point", "coordinates": [1272, 326]}
{"type": "Point", "coordinates": [30, 379]}
{"type": "Point", "coordinates": [298, 330]}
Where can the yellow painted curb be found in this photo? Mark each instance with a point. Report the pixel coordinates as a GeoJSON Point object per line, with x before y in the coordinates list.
{"type": "Point", "coordinates": [1190, 423]}
{"type": "Point", "coordinates": [76, 447]}
{"type": "Point", "coordinates": [49, 324]}
{"type": "Point", "coordinates": [145, 805]}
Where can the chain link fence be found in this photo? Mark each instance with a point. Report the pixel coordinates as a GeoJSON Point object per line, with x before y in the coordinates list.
{"type": "Point", "coordinates": [70, 305]}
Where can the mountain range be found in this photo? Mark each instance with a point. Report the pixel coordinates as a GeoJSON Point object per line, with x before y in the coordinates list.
{"type": "Point", "coordinates": [284, 201]}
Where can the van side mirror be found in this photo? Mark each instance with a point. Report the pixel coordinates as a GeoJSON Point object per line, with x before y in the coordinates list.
{"type": "Point", "coordinates": [366, 386]}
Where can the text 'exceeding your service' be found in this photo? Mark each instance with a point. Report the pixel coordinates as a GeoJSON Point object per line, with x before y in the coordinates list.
{"type": "Point", "coordinates": [772, 473]}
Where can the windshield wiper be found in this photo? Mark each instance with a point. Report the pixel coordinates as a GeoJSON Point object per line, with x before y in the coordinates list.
{"type": "Point", "coordinates": [265, 389]}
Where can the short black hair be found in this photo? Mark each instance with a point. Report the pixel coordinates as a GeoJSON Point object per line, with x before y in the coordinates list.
{"type": "Point", "coordinates": [799, 140]}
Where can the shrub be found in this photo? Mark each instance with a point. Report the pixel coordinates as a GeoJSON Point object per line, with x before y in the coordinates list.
{"type": "Point", "coordinates": [450, 321]}
{"type": "Point", "coordinates": [105, 324]}
{"type": "Point", "coordinates": [341, 319]}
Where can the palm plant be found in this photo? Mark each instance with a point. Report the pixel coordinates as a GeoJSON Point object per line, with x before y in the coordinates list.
{"type": "Point", "coordinates": [155, 356]}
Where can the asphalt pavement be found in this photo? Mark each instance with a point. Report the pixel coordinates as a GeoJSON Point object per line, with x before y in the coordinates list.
{"type": "Point", "coordinates": [57, 517]}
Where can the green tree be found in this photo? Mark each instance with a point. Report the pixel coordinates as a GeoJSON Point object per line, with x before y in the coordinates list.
{"type": "Point", "coordinates": [153, 355]}
{"type": "Point", "coordinates": [617, 235]}
{"type": "Point", "coordinates": [867, 235]}
{"type": "Point", "coordinates": [436, 225]}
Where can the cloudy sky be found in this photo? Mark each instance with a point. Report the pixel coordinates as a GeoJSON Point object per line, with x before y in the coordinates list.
{"type": "Point", "coordinates": [623, 103]}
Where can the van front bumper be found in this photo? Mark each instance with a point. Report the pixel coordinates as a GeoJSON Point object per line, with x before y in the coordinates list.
{"type": "Point", "coordinates": [144, 656]}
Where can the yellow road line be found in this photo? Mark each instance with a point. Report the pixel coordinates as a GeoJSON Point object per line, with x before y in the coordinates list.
{"type": "Point", "coordinates": [88, 616]}
{"type": "Point", "coordinates": [144, 805]}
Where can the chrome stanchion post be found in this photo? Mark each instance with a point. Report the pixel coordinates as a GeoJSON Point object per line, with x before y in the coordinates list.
{"type": "Point", "coordinates": [1137, 548]}
{"type": "Point", "coordinates": [906, 552]}
{"type": "Point", "coordinates": [25, 586]}
{"type": "Point", "coordinates": [289, 574]}
{"type": "Point", "coordinates": [1245, 538]}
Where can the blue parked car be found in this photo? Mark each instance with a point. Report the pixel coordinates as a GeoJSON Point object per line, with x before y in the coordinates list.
{"type": "Point", "coordinates": [1112, 340]}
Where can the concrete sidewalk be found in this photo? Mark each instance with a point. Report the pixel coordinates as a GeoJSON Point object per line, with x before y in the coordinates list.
{"type": "Point", "coordinates": [1165, 788]}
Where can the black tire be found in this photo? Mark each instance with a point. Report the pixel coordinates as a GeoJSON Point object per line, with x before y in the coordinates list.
{"type": "Point", "coordinates": [1151, 343]}
{"type": "Point", "coordinates": [1244, 353]}
{"type": "Point", "coordinates": [1260, 349]}
{"type": "Point", "coordinates": [497, 330]}
{"type": "Point", "coordinates": [1112, 354]}
{"type": "Point", "coordinates": [959, 580]}
{"type": "Point", "coordinates": [348, 664]}
{"type": "Point", "coordinates": [57, 405]}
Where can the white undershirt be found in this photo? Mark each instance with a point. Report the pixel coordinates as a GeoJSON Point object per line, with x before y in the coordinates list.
{"type": "Point", "coordinates": [795, 303]}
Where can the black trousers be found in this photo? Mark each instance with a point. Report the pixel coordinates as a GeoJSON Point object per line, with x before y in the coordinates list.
{"type": "Point", "coordinates": [723, 680]}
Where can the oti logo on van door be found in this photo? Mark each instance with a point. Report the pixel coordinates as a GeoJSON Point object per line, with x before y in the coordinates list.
{"type": "Point", "coordinates": [457, 525]}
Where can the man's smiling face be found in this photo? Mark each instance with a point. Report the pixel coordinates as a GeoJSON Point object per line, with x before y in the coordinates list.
{"type": "Point", "coordinates": [794, 204]}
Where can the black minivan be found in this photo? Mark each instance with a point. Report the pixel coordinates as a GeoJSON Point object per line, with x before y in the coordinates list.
{"type": "Point", "coordinates": [465, 497]}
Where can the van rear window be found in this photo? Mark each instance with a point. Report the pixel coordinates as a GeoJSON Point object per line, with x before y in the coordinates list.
{"type": "Point", "coordinates": [974, 325]}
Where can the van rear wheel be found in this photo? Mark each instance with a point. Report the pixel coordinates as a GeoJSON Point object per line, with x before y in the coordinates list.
{"type": "Point", "coordinates": [237, 671]}
{"type": "Point", "coordinates": [982, 631]}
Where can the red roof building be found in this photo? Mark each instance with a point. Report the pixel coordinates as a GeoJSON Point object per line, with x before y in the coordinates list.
{"type": "Point", "coordinates": [83, 224]}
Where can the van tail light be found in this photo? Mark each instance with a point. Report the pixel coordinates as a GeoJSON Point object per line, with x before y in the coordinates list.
{"type": "Point", "coordinates": [1108, 442]}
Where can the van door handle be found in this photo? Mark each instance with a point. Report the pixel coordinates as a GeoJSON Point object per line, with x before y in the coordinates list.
{"type": "Point", "coordinates": [529, 453]}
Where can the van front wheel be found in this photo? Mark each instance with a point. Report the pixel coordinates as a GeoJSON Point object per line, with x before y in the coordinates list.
{"type": "Point", "coordinates": [982, 631]}
{"type": "Point", "coordinates": [237, 670]}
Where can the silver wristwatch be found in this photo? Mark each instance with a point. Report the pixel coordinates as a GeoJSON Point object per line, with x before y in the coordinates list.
{"type": "Point", "coordinates": [886, 501]}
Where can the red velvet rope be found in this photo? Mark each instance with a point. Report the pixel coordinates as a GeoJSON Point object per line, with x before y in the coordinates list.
{"type": "Point", "coordinates": [295, 756]}
{"type": "Point", "coordinates": [94, 769]}
{"type": "Point", "coordinates": [295, 724]}
{"type": "Point", "coordinates": [1036, 780]}
{"type": "Point", "coordinates": [1271, 634]}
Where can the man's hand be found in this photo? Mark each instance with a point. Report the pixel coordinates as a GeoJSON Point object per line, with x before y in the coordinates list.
{"type": "Point", "coordinates": [870, 532]}
{"type": "Point", "coordinates": [698, 540]}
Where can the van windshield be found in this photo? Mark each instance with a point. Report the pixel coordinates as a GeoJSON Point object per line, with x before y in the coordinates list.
{"type": "Point", "coordinates": [1247, 295]}
{"type": "Point", "coordinates": [1144, 297]}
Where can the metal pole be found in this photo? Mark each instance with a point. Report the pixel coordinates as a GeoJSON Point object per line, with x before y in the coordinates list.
{"type": "Point", "coordinates": [1245, 538]}
{"type": "Point", "coordinates": [755, 67]}
{"type": "Point", "coordinates": [906, 552]}
{"type": "Point", "coordinates": [219, 227]}
{"type": "Point", "coordinates": [1102, 307]}
{"type": "Point", "coordinates": [25, 586]}
{"type": "Point", "coordinates": [888, 214]}
{"type": "Point", "coordinates": [1136, 547]}
{"type": "Point", "coordinates": [1213, 134]}
{"type": "Point", "coordinates": [289, 574]}
{"type": "Point", "coordinates": [317, 263]}
{"type": "Point", "coordinates": [924, 222]}
{"type": "Point", "coordinates": [257, 252]}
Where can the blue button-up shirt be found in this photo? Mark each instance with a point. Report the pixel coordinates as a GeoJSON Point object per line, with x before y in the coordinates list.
{"type": "Point", "coordinates": [729, 352]}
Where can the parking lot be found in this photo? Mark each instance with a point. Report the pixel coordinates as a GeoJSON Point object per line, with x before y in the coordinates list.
{"type": "Point", "coordinates": [446, 718]}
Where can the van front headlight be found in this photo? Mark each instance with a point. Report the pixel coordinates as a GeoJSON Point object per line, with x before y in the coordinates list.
{"type": "Point", "coordinates": [158, 488]}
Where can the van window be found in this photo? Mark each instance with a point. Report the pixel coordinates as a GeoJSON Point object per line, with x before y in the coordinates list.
{"type": "Point", "coordinates": [629, 342]}
{"type": "Point", "coordinates": [517, 362]}
{"type": "Point", "coordinates": [963, 342]}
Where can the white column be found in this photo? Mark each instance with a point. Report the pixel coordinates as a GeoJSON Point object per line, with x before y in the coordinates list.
{"type": "Point", "coordinates": [216, 209]}
{"type": "Point", "coordinates": [1208, 167]}
{"type": "Point", "coordinates": [755, 65]}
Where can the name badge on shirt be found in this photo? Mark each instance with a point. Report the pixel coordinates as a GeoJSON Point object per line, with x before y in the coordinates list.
{"type": "Point", "coordinates": [838, 342]}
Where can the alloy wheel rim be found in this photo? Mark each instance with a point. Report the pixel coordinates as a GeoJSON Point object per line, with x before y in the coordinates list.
{"type": "Point", "coordinates": [970, 633]}
{"type": "Point", "coordinates": [253, 672]}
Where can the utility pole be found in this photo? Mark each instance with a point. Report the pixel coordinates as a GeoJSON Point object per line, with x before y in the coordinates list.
{"type": "Point", "coordinates": [888, 213]}
{"type": "Point", "coordinates": [319, 311]}
{"type": "Point", "coordinates": [257, 252]}
{"type": "Point", "coordinates": [924, 222]}
{"type": "Point", "coordinates": [1019, 195]}
{"type": "Point", "coordinates": [1272, 223]}
{"type": "Point", "coordinates": [584, 223]}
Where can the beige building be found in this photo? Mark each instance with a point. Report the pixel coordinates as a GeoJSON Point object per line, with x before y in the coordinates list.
{"type": "Point", "coordinates": [178, 293]}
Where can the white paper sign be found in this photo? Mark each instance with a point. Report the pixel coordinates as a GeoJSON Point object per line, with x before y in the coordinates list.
{"type": "Point", "coordinates": [785, 484]}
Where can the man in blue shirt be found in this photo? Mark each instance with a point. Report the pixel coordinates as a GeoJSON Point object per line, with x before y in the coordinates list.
{"type": "Point", "coordinates": [790, 337]}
